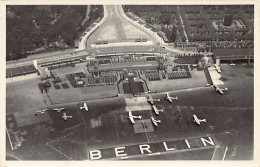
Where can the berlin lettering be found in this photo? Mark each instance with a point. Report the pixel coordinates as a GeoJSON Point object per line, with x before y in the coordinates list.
{"type": "Point", "coordinates": [151, 148]}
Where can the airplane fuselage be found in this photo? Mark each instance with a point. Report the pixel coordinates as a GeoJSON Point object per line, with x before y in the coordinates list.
{"type": "Point", "coordinates": [197, 120]}
{"type": "Point", "coordinates": [168, 97]}
{"type": "Point", "coordinates": [84, 106]}
{"type": "Point", "coordinates": [132, 117]}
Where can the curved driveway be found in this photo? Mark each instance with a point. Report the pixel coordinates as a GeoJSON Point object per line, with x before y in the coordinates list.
{"type": "Point", "coordinates": [117, 29]}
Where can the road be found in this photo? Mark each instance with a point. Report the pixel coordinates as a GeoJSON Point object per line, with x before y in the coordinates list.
{"type": "Point", "coordinates": [115, 29]}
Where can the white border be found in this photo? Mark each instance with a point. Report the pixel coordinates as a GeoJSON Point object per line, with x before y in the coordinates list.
{"type": "Point", "coordinates": [254, 162]}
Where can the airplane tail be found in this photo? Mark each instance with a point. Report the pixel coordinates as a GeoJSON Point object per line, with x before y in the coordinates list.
{"type": "Point", "coordinates": [159, 121]}
{"type": "Point", "coordinates": [204, 120]}
{"type": "Point", "coordinates": [160, 110]}
{"type": "Point", "coordinates": [226, 89]}
{"type": "Point", "coordinates": [176, 97]}
{"type": "Point", "coordinates": [81, 107]}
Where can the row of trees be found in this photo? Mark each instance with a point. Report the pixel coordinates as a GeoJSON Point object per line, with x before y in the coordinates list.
{"type": "Point", "coordinates": [30, 27]}
{"type": "Point", "coordinates": [164, 17]}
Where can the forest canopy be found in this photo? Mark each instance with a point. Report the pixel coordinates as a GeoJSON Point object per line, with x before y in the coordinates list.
{"type": "Point", "coordinates": [30, 27]}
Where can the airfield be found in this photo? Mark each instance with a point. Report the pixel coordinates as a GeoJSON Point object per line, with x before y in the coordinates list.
{"type": "Point", "coordinates": [118, 55]}
{"type": "Point", "coordinates": [106, 124]}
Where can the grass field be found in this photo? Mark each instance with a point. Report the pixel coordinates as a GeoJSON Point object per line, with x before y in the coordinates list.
{"type": "Point", "coordinates": [26, 118]}
{"type": "Point", "coordinates": [106, 124]}
{"type": "Point", "coordinates": [204, 154]}
{"type": "Point", "coordinates": [82, 93]}
{"type": "Point", "coordinates": [24, 95]}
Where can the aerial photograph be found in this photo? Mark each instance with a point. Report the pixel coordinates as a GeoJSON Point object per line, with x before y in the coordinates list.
{"type": "Point", "coordinates": [129, 82]}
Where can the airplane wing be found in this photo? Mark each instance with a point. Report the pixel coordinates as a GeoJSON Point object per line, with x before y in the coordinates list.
{"type": "Point", "coordinates": [149, 97]}
{"type": "Point", "coordinates": [196, 119]}
{"type": "Point", "coordinates": [154, 122]}
{"type": "Point", "coordinates": [132, 119]}
{"type": "Point", "coordinates": [155, 110]}
{"type": "Point", "coordinates": [86, 106]}
{"type": "Point", "coordinates": [64, 116]}
{"type": "Point", "coordinates": [168, 97]}
{"type": "Point", "coordinates": [218, 69]}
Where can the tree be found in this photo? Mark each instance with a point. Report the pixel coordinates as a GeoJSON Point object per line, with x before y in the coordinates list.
{"type": "Point", "coordinates": [200, 25]}
{"type": "Point", "coordinates": [228, 19]}
{"type": "Point", "coordinates": [165, 18]}
{"type": "Point", "coordinates": [174, 33]}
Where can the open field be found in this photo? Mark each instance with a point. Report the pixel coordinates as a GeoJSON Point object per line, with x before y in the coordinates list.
{"type": "Point", "coordinates": [24, 95]}
{"type": "Point", "coordinates": [103, 123]}
{"type": "Point", "coordinates": [107, 119]}
{"type": "Point", "coordinates": [82, 93]}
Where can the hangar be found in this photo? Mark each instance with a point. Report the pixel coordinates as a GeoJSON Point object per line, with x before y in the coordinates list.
{"type": "Point", "coordinates": [21, 73]}
{"type": "Point", "coordinates": [233, 54]}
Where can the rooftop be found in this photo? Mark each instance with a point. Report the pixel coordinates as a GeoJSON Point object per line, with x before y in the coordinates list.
{"type": "Point", "coordinates": [233, 52]}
